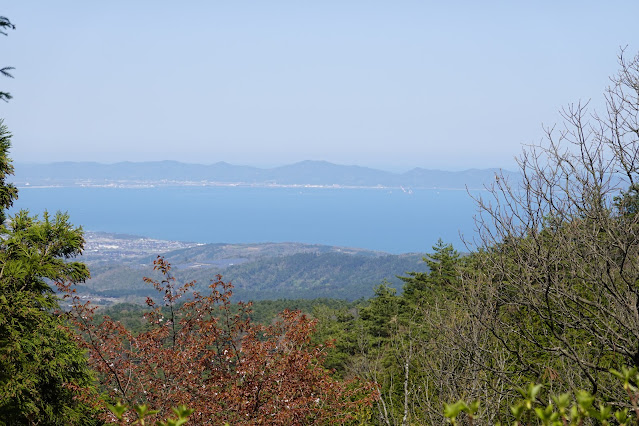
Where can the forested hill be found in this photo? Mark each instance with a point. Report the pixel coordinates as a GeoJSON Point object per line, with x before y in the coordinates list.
{"type": "Point", "coordinates": [319, 173]}
{"type": "Point", "coordinates": [258, 271]}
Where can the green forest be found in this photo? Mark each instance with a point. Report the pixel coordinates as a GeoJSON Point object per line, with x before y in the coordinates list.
{"type": "Point", "coordinates": [295, 276]}
{"type": "Point", "coordinates": [537, 324]}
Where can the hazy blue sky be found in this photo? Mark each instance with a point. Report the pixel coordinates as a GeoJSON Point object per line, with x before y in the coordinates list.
{"type": "Point", "coordinates": [389, 84]}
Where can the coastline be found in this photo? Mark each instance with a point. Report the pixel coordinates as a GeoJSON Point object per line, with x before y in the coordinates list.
{"type": "Point", "coordinates": [175, 183]}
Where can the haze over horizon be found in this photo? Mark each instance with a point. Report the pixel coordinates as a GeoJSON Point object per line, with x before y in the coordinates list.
{"type": "Point", "coordinates": [394, 86]}
{"type": "Point", "coordinates": [395, 170]}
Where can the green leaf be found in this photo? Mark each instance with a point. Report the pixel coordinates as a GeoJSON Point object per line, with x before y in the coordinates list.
{"type": "Point", "coordinates": [584, 399]}
{"type": "Point", "coordinates": [451, 411]}
{"type": "Point", "coordinates": [118, 409]}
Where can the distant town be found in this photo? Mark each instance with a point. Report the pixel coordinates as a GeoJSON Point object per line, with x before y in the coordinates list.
{"type": "Point", "coordinates": [305, 174]}
{"type": "Point", "coordinates": [109, 247]}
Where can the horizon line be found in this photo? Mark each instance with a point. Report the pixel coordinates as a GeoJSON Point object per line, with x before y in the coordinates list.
{"type": "Point", "coordinates": [407, 169]}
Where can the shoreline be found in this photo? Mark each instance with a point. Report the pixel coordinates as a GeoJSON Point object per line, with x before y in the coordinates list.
{"type": "Point", "coordinates": [160, 184]}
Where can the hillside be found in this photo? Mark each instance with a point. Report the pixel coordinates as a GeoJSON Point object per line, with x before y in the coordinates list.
{"type": "Point", "coordinates": [118, 265]}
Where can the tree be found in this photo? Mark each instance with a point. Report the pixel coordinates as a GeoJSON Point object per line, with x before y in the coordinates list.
{"type": "Point", "coordinates": [207, 354]}
{"type": "Point", "coordinates": [42, 369]}
{"type": "Point", "coordinates": [5, 24]}
{"type": "Point", "coordinates": [421, 348]}
{"type": "Point", "coordinates": [8, 191]}
{"type": "Point", "coordinates": [557, 274]}
{"type": "Point", "coordinates": [550, 295]}
{"type": "Point", "coordinates": [443, 274]}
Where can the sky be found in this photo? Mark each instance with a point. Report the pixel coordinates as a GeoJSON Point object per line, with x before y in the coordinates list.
{"type": "Point", "coordinates": [387, 84]}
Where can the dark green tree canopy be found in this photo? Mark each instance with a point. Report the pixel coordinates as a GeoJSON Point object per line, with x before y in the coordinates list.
{"type": "Point", "coordinates": [42, 368]}
{"type": "Point", "coordinates": [43, 371]}
{"type": "Point", "coordinates": [8, 191]}
{"type": "Point", "coordinates": [443, 273]}
{"type": "Point", "coordinates": [5, 24]}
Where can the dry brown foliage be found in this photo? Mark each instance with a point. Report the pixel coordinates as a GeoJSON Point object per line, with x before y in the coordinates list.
{"type": "Point", "coordinates": [207, 355]}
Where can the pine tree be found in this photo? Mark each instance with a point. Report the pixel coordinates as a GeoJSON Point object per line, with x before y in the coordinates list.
{"type": "Point", "coordinates": [442, 278]}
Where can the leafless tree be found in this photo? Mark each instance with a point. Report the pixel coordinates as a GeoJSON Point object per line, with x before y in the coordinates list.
{"type": "Point", "coordinates": [557, 271]}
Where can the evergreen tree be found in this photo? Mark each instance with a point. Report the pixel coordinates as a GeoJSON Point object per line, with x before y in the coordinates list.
{"type": "Point", "coordinates": [443, 275]}
{"type": "Point", "coordinates": [43, 372]}
{"type": "Point", "coordinates": [5, 24]}
{"type": "Point", "coordinates": [8, 191]}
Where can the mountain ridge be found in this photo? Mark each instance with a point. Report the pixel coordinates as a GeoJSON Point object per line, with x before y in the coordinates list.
{"type": "Point", "coordinates": [307, 172]}
{"type": "Point", "coordinates": [258, 271]}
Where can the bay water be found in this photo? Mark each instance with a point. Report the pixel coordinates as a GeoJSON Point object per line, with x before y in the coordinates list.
{"type": "Point", "coordinates": [390, 220]}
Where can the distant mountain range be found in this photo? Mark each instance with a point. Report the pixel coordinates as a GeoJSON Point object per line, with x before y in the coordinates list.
{"type": "Point", "coordinates": [320, 173]}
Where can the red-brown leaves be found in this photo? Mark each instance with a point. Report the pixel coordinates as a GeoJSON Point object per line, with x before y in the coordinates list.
{"type": "Point", "coordinates": [207, 355]}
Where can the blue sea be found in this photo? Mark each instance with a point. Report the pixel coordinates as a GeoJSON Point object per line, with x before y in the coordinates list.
{"type": "Point", "coordinates": [379, 219]}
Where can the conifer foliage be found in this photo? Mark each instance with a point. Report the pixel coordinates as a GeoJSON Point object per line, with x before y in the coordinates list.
{"type": "Point", "coordinates": [42, 368]}
{"type": "Point", "coordinates": [5, 24]}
